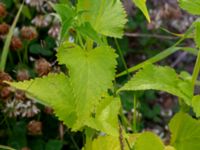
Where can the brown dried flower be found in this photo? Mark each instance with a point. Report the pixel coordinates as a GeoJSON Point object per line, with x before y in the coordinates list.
{"type": "Point", "coordinates": [22, 75]}
{"type": "Point", "coordinates": [48, 110]}
{"type": "Point", "coordinates": [4, 77]}
{"type": "Point", "coordinates": [3, 11]}
{"type": "Point", "coordinates": [5, 92]}
{"type": "Point", "coordinates": [16, 43]}
{"type": "Point", "coordinates": [4, 28]}
{"type": "Point", "coordinates": [34, 127]}
{"type": "Point", "coordinates": [28, 33]}
{"type": "Point", "coordinates": [42, 67]}
{"type": "Point", "coordinates": [20, 95]}
{"type": "Point", "coordinates": [25, 148]}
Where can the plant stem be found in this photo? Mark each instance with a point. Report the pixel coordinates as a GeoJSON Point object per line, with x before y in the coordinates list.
{"type": "Point", "coordinates": [135, 114]}
{"type": "Point", "coordinates": [74, 142]}
{"type": "Point", "coordinates": [25, 59]}
{"type": "Point", "coordinates": [89, 44]}
{"type": "Point", "coordinates": [196, 69]}
{"type": "Point", "coordinates": [89, 134]}
{"type": "Point", "coordinates": [19, 57]}
{"type": "Point", "coordinates": [161, 55]}
{"type": "Point", "coordinates": [122, 57]}
{"type": "Point", "coordinates": [8, 40]}
{"type": "Point", "coordinates": [6, 147]}
{"type": "Point", "coordinates": [121, 137]}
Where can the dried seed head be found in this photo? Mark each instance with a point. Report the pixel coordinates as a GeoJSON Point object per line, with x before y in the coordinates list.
{"type": "Point", "coordinates": [28, 33]}
{"type": "Point", "coordinates": [54, 31]}
{"type": "Point", "coordinates": [4, 77]}
{"type": "Point", "coordinates": [48, 110]}
{"type": "Point", "coordinates": [34, 127]}
{"type": "Point", "coordinates": [42, 20]}
{"type": "Point", "coordinates": [4, 28]}
{"type": "Point", "coordinates": [15, 108]}
{"type": "Point", "coordinates": [5, 92]}
{"type": "Point", "coordinates": [34, 3]}
{"type": "Point", "coordinates": [3, 11]}
{"type": "Point", "coordinates": [20, 95]}
{"type": "Point", "coordinates": [22, 75]}
{"type": "Point", "coordinates": [25, 148]}
{"type": "Point", "coordinates": [16, 43]}
{"type": "Point", "coordinates": [42, 67]}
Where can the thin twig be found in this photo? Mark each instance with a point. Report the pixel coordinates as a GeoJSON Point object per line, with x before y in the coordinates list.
{"type": "Point", "coordinates": [121, 137]}
{"type": "Point", "coordinates": [179, 59]}
{"type": "Point", "coordinates": [158, 36]}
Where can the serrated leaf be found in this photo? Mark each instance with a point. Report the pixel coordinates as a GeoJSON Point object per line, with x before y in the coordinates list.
{"type": "Point", "coordinates": [86, 29]}
{"type": "Point", "coordinates": [106, 119]}
{"type": "Point", "coordinates": [160, 78]}
{"type": "Point", "coordinates": [141, 4]}
{"type": "Point", "coordinates": [197, 33]}
{"type": "Point", "coordinates": [113, 143]}
{"type": "Point", "coordinates": [64, 11]}
{"type": "Point", "coordinates": [185, 132]}
{"type": "Point", "coordinates": [107, 17]}
{"type": "Point", "coordinates": [51, 91]}
{"type": "Point", "coordinates": [169, 148]}
{"type": "Point", "coordinates": [196, 105]}
{"type": "Point", "coordinates": [150, 141]}
{"type": "Point", "coordinates": [65, 28]}
{"type": "Point", "coordinates": [191, 6]}
{"type": "Point", "coordinates": [91, 74]}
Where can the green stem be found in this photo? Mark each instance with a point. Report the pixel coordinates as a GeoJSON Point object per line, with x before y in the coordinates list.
{"type": "Point", "coordinates": [89, 44]}
{"type": "Point", "coordinates": [89, 135]}
{"type": "Point", "coordinates": [135, 114]}
{"type": "Point", "coordinates": [74, 142]}
{"type": "Point", "coordinates": [157, 58]}
{"type": "Point", "coordinates": [122, 57]}
{"type": "Point", "coordinates": [25, 59]}
{"type": "Point", "coordinates": [80, 40]}
{"type": "Point", "coordinates": [19, 57]}
{"type": "Point", "coordinates": [161, 55]}
{"type": "Point", "coordinates": [8, 40]}
{"type": "Point", "coordinates": [6, 147]}
{"type": "Point", "coordinates": [196, 69]}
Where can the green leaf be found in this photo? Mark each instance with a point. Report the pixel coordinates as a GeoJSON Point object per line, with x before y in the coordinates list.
{"type": "Point", "coordinates": [51, 91]}
{"type": "Point", "coordinates": [26, 12]}
{"type": "Point", "coordinates": [38, 49]}
{"type": "Point", "coordinates": [169, 148]}
{"type": "Point", "coordinates": [150, 141]}
{"type": "Point", "coordinates": [54, 145]}
{"type": "Point", "coordinates": [196, 105]}
{"type": "Point", "coordinates": [192, 6]}
{"type": "Point", "coordinates": [106, 119]}
{"type": "Point", "coordinates": [37, 144]}
{"type": "Point", "coordinates": [185, 132]}
{"type": "Point", "coordinates": [18, 138]}
{"type": "Point", "coordinates": [8, 3]}
{"type": "Point", "coordinates": [160, 78]}
{"type": "Point", "coordinates": [86, 29]}
{"type": "Point", "coordinates": [107, 17]}
{"type": "Point", "coordinates": [91, 74]}
{"type": "Point", "coordinates": [65, 28]}
{"type": "Point", "coordinates": [64, 11]}
{"type": "Point", "coordinates": [141, 4]}
{"type": "Point", "coordinates": [197, 33]}
{"type": "Point", "coordinates": [113, 143]}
